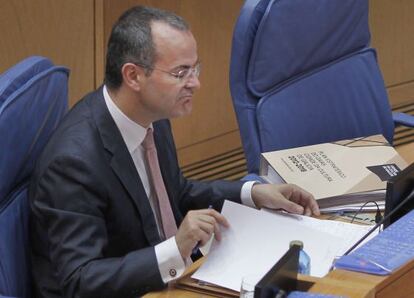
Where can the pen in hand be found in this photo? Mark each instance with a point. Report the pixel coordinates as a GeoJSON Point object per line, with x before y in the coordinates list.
{"type": "Point", "coordinates": [199, 242]}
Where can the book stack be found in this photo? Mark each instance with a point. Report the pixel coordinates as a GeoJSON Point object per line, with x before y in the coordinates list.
{"type": "Point", "coordinates": [342, 175]}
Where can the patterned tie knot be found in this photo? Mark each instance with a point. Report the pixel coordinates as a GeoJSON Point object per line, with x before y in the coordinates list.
{"type": "Point", "coordinates": [148, 142]}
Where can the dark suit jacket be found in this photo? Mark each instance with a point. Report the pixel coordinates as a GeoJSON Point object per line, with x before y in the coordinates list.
{"type": "Point", "coordinates": [93, 231]}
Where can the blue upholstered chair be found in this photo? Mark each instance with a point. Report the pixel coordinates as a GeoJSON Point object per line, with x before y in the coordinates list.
{"type": "Point", "coordinates": [302, 72]}
{"type": "Point", "coordinates": [33, 98]}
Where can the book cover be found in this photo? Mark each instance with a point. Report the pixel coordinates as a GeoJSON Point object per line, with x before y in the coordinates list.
{"type": "Point", "coordinates": [337, 173]}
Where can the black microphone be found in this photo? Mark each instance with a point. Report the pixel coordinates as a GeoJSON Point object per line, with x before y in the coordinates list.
{"type": "Point", "coordinates": [385, 218]}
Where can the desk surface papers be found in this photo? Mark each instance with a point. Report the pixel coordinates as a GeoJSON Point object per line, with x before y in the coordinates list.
{"type": "Point", "coordinates": [257, 239]}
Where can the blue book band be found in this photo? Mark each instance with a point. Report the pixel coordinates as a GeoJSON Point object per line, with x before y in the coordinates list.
{"type": "Point", "coordinates": [384, 253]}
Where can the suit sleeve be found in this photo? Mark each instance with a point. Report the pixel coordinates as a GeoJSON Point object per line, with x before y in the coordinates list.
{"type": "Point", "coordinates": [69, 200]}
{"type": "Point", "coordinates": [196, 194]}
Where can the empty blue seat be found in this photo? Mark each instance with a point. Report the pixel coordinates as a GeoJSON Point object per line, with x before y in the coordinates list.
{"type": "Point", "coordinates": [302, 72]}
{"type": "Point", "coordinates": [33, 99]}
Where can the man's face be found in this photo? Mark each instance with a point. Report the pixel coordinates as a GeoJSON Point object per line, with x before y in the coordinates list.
{"type": "Point", "coordinates": [161, 94]}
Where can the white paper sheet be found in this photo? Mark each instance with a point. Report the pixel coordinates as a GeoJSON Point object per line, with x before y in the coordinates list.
{"type": "Point", "coordinates": [350, 233]}
{"type": "Point", "coordinates": [257, 239]}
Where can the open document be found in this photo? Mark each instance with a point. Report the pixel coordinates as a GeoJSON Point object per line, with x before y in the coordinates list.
{"type": "Point", "coordinates": [257, 239]}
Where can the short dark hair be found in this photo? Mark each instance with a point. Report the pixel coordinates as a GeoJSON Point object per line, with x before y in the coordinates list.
{"type": "Point", "coordinates": [131, 40]}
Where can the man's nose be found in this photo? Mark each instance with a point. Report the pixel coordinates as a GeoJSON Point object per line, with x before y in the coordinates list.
{"type": "Point", "coordinates": [193, 82]}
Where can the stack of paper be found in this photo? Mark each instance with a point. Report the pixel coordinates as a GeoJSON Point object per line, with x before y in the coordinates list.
{"type": "Point", "coordinates": [257, 239]}
{"type": "Point", "coordinates": [339, 173]}
{"type": "Point", "coordinates": [369, 207]}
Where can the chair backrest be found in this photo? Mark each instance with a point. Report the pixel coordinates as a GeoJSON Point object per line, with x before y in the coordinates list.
{"type": "Point", "coordinates": [302, 73]}
{"type": "Point", "coordinates": [33, 98]}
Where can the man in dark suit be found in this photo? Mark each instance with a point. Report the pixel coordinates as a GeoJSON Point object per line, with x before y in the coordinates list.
{"type": "Point", "coordinates": [98, 227]}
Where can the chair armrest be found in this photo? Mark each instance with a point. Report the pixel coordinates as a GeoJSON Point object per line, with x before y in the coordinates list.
{"type": "Point", "coordinates": [403, 119]}
{"type": "Point", "coordinates": [251, 177]}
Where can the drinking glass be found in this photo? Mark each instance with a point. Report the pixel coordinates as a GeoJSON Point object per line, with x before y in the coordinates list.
{"type": "Point", "coordinates": [247, 285]}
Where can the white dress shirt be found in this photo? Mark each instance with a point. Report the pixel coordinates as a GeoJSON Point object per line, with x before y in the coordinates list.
{"type": "Point", "coordinates": [170, 262]}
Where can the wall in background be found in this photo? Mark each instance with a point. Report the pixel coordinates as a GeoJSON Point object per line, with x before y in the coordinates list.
{"type": "Point", "coordinates": [63, 31]}
{"type": "Point", "coordinates": [392, 31]}
{"type": "Point", "coordinates": [74, 33]}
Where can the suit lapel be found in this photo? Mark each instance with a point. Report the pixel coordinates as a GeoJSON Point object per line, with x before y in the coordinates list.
{"type": "Point", "coordinates": [123, 165]}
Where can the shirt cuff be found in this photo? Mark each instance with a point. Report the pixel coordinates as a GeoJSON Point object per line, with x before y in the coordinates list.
{"type": "Point", "coordinates": [170, 262]}
{"type": "Point", "coordinates": [246, 194]}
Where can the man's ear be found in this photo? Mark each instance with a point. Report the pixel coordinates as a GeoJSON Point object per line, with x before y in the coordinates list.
{"type": "Point", "coordinates": [132, 75]}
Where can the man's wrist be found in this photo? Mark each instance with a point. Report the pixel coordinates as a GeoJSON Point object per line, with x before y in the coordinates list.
{"type": "Point", "coordinates": [246, 194]}
{"type": "Point", "coordinates": [170, 263]}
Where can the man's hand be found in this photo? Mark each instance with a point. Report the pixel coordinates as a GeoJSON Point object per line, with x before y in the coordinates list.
{"type": "Point", "coordinates": [289, 197]}
{"type": "Point", "coordinates": [197, 228]}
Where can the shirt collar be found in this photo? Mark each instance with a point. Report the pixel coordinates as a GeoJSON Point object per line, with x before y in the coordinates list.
{"type": "Point", "coordinates": [132, 133]}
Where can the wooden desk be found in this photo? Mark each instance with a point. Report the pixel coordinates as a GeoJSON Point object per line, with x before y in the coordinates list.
{"type": "Point", "coordinates": [174, 291]}
{"type": "Point", "coordinates": [354, 284]}
{"type": "Point", "coordinates": [350, 284]}
{"type": "Point", "coordinates": [338, 282]}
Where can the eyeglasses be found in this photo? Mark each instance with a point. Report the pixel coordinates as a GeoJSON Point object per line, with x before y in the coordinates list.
{"type": "Point", "coordinates": [180, 75]}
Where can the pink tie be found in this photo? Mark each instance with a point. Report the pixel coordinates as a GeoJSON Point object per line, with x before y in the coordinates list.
{"type": "Point", "coordinates": [167, 217]}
